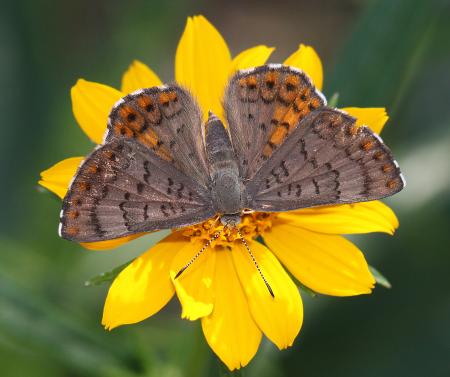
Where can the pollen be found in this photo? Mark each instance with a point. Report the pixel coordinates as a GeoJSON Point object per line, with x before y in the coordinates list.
{"type": "Point", "coordinates": [252, 225]}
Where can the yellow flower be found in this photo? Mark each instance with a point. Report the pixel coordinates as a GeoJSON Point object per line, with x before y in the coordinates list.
{"type": "Point", "coordinates": [223, 288]}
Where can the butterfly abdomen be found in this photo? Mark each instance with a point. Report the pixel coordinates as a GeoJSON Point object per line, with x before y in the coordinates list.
{"type": "Point", "coordinates": [224, 170]}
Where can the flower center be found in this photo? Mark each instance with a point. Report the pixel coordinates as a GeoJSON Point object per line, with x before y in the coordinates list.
{"type": "Point", "coordinates": [252, 225]}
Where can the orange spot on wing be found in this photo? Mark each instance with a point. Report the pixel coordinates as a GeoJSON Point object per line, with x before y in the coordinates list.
{"type": "Point", "coordinates": [164, 154]}
{"type": "Point", "coordinates": [84, 186]}
{"type": "Point", "coordinates": [73, 214]}
{"type": "Point", "coordinates": [267, 150]}
{"type": "Point", "coordinates": [126, 111]}
{"type": "Point", "coordinates": [72, 230]}
{"type": "Point", "coordinates": [252, 82]}
{"type": "Point", "coordinates": [164, 99]}
{"type": "Point", "coordinates": [271, 76]}
{"type": "Point", "coordinates": [173, 96]}
{"type": "Point", "coordinates": [353, 130]}
{"type": "Point", "coordinates": [92, 169]}
{"type": "Point", "coordinates": [149, 138]}
{"type": "Point", "coordinates": [315, 102]}
{"type": "Point", "coordinates": [279, 112]}
{"type": "Point", "coordinates": [387, 168]}
{"type": "Point", "coordinates": [367, 145]}
{"type": "Point", "coordinates": [292, 118]}
{"type": "Point", "coordinates": [122, 130]}
{"type": "Point", "coordinates": [292, 80]}
{"type": "Point", "coordinates": [391, 184]}
{"type": "Point", "coordinates": [278, 135]}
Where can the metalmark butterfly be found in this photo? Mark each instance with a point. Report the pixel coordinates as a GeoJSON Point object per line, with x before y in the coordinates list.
{"type": "Point", "coordinates": [283, 149]}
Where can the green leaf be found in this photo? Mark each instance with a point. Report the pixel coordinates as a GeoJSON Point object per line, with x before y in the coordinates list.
{"type": "Point", "coordinates": [379, 278]}
{"type": "Point", "coordinates": [106, 277]}
{"type": "Point", "coordinates": [333, 101]}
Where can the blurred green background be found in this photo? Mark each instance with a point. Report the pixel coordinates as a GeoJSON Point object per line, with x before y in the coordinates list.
{"type": "Point", "coordinates": [376, 53]}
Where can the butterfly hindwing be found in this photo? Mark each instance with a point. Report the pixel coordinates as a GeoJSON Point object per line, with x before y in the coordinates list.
{"type": "Point", "coordinates": [124, 188]}
{"type": "Point", "coordinates": [166, 120]}
{"type": "Point", "coordinates": [263, 106]}
{"type": "Point", "coordinates": [326, 160]}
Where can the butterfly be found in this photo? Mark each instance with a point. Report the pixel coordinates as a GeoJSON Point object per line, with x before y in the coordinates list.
{"type": "Point", "coordinates": [160, 167]}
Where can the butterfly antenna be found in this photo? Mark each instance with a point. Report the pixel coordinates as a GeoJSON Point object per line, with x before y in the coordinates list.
{"type": "Point", "coordinates": [255, 262]}
{"type": "Point", "coordinates": [205, 246]}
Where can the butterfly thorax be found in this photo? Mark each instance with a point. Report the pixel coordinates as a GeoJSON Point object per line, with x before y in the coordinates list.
{"type": "Point", "coordinates": [226, 186]}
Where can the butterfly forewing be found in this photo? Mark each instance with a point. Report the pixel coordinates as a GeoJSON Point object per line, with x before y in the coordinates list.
{"type": "Point", "coordinates": [263, 106]}
{"type": "Point", "coordinates": [167, 121]}
{"type": "Point", "coordinates": [326, 160]}
{"type": "Point", "coordinates": [122, 189]}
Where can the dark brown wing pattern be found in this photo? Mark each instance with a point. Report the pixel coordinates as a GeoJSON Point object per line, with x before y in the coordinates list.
{"type": "Point", "coordinates": [263, 107]}
{"type": "Point", "coordinates": [123, 189]}
{"type": "Point", "coordinates": [326, 160]}
{"type": "Point", "coordinates": [150, 174]}
{"type": "Point", "coordinates": [166, 120]}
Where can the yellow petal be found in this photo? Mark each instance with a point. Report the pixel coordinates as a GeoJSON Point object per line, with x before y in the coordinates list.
{"type": "Point", "coordinates": [279, 318]}
{"type": "Point", "coordinates": [138, 76]}
{"type": "Point", "coordinates": [355, 218]}
{"type": "Point", "coordinates": [306, 59]}
{"type": "Point", "coordinates": [110, 244]}
{"type": "Point", "coordinates": [194, 285]}
{"type": "Point", "coordinates": [251, 57]}
{"type": "Point", "coordinates": [58, 177]}
{"type": "Point", "coordinates": [91, 105]}
{"type": "Point", "coordinates": [230, 330]}
{"type": "Point", "coordinates": [202, 63]}
{"type": "Point", "coordinates": [373, 117]}
{"type": "Point", "coordinates": [143, 287]}
{"type": "Point", "coordinates": [327, 264]}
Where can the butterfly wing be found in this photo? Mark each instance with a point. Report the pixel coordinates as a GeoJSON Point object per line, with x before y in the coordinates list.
{"type": "Point", "coordinates": [123, 188]}
{"type": "Point", "coordinates": [326, 160]}
{"type": "Point", "coordinates": [167, 121]}
{"type": "Point", "coordinates": [150, 174]}
{"type": "Point", "coordinates": [263, 106]}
